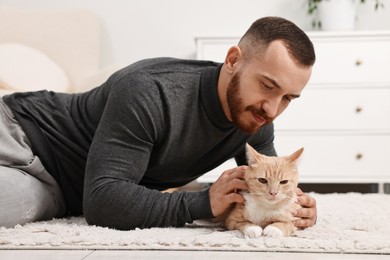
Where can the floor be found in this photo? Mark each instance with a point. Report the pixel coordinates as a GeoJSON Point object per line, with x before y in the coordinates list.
{"type": "Point", "coordinates": [188, 255]}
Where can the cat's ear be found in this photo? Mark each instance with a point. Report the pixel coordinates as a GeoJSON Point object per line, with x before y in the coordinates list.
{"type": "Point", "coordinates": [293, 157]}
{"type": "Point", "coordinates": [252, 155]}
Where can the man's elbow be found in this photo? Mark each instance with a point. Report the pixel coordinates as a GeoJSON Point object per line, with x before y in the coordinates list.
{"type": "Point", "coordinates": [99, 214]}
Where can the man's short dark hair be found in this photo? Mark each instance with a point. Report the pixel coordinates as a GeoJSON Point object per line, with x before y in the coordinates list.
{"type": "Point", "coordinates": [268, 29]}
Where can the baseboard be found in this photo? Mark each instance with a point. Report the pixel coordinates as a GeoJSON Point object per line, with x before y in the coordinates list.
{"type": "Point", "coordinates": [317, 187]}
{"type": "Point", "coordinates": [386, 188]}
{"type": "Point", "coordinates": [340, 187]}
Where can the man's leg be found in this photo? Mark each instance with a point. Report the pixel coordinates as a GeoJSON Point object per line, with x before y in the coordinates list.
{"type": "Point", "coordinates": [24, 198]}
{"type": "Point", "coordinates": [27, 191]}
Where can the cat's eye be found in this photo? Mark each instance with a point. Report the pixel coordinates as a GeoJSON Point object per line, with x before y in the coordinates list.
{"type": "Point", "coordinates": [262, 180]}
{"type": "Point", "coordinates": [283, 182]}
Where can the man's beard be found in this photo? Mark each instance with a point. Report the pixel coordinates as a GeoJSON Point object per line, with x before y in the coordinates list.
{"type": "Point", "coordinates": [236, 107]}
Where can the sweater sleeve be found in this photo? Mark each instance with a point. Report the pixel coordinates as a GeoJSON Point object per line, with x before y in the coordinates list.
{"type": "Point", "coordinates": [132, 123]}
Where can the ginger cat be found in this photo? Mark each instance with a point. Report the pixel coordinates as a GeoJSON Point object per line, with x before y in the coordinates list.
{"type": "Point", "coordinates": [271, 198]}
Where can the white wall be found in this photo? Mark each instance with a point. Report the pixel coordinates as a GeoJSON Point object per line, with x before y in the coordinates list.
{"type": "Point", "coordinates": [137, 29]}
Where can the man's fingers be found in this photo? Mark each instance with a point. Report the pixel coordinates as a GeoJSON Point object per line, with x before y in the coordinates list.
{"type": "Point", "coordinates": [236, 184]}
{"type": "Point", "coordinates": [235, 198]}
{"type": "Point", "coordinates": [308, 213]}
{"type": "Point", "coordinates": [299, 191]}
{"type": "Point", "coordinates": [238, 172]}
{"type": "Point", "coordinates": [307, 217]}
{"type": "Point", "coordinates": [303, 223]}
{"type": "Point", "coordinates": [306, 201]}
{"type": "Point", "coordinates": [233, 179]}
{"type": "Point", "coordinates": [223, 191]}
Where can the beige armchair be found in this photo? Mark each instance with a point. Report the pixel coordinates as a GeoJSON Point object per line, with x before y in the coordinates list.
{"type": "Point", "coordinates": [71, 39]}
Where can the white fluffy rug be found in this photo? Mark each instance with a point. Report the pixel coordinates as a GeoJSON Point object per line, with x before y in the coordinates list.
{"type": "Point", "coordinates": [347, 223]}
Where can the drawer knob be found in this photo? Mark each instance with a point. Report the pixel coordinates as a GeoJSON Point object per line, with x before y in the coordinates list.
{"type": "Point", "coordinates": [359, 62]}
{"type": "Point", "coordinates": [358, 109]}
{"type": "Point", "coordinates": [359, 156]}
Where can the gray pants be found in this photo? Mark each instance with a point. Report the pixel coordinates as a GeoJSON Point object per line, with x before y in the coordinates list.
{"type": "Point", "coordinates": [27, 191]}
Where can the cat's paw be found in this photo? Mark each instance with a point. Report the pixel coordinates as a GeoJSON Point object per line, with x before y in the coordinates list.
{"type": "Point", "coordinates": [253, 231]}
{"type": "Point", "coordinates": [271, 231]}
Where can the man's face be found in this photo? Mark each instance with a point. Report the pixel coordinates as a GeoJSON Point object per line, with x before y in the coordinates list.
{"type": "Point", "coordinates": [261, 89]}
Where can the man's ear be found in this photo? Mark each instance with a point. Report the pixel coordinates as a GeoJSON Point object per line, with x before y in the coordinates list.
{"type": "Point", "coordinates": [233, 56]}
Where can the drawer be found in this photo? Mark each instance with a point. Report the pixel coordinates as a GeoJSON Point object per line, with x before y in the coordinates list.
{"type": "Point", "coordinates": [351, 60]}
{"type": "Point", "coordinates": [339, 158]}
{"type": "Point", "coordinates": [330, 158]}
{"type": "Point", "coordinates": [338, 109]}
{"type": "Point", "coordinates": [347, 58]}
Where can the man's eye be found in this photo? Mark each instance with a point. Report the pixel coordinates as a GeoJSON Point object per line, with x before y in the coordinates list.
{"type": "Point", "coordinates": [288, 98]}
{"type": "Point", "coordinates": [265, 85]}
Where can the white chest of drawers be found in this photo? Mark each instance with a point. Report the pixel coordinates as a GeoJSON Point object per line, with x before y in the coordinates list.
{"type": "Point", "coordinates": [343, 116]}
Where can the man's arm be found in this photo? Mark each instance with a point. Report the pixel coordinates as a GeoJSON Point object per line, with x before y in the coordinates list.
{"type": "Point", "coordinates": [118, 159]}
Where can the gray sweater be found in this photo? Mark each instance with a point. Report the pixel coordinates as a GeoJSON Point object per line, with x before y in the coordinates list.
{"type": "Point", "coordinates": [153, 125]}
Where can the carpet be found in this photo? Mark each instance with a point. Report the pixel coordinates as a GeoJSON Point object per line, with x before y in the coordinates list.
{"type": "Point", "coordinates": [347, 223]}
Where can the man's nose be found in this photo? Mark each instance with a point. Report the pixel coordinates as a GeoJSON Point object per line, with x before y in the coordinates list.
{"type": "Point", "coordinates": [271, 107]}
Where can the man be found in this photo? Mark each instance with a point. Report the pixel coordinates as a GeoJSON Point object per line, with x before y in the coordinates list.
{"type": "Point", "coordinates": [157, 124]}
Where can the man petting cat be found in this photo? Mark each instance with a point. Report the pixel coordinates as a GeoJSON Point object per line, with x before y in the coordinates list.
{"type": "Point", "coordinates": [156, 124]}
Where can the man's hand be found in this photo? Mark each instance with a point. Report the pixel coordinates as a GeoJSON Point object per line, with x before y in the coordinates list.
{"type": "Point", "coordinates": [223, 191]}
{"type": "Point", "coordinates": [308, 213]}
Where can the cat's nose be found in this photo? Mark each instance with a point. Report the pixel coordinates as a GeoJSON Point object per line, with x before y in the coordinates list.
{"type": "Point", "coordinates": [273, 193]}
